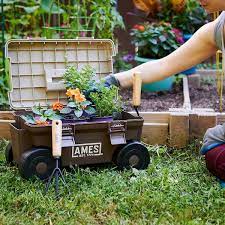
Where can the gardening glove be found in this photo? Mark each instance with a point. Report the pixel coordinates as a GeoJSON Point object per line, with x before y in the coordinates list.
{"type": "Point", "coordinates": [213, 137]}
{"type": "Point", "coordinates": [111, 80]}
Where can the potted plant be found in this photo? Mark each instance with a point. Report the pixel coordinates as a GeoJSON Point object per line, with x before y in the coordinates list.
{"type": "Point", "coordinates": [154, 41]}
{"type": "Point", "coordinates": [88, 98]}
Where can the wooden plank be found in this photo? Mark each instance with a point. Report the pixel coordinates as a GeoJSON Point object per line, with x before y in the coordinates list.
{"type": "Point", "coordinates": [200, 122]}
{"type": "Point", "coordinates": [179, 129]}
{"type": "Point", "coordinates": [154, 117]}
{"type": "Point", "coordinates": [220, 118]}
{"type": "Point", "coordinates": [5, 129]}
{"type": "Point", "coordinates": [187, 102]}
{"type": "Point", "coordinates": [155, 133]}
{"type": "Point", "coordinates": [194, 80]}
{"type": "Point", "coordinates": [6, 115]}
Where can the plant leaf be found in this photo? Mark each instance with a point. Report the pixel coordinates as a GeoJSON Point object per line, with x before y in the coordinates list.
{"type": "Point", "coordinates": [71, 104]}
{"type": "Point", "coordinates": [48, 112]}
{"type": "Point", "coordinates": [90, 110]}
{"type": "Point", "coordinates": [65, 110]}
{"type": "Point", "coordinates": [36, 110]}
{"type": "Point", "coordinates": [162, 38]}
{"type": "Point", "coordinates": [78, 113]}
{"type": "Point", "coordinates": [55, 117]}
{"type": "Point", "coordinates": [85, 103]}
{"type": "Point", "coordinates": [29, 119]}
{"type": "Point", "coordinates": [43, 118]}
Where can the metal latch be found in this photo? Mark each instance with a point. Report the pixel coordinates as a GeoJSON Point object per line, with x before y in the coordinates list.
{"type": "Point", "coordinates": [68, 137]}
{"type": "Point", "coordinates": [117, 131]}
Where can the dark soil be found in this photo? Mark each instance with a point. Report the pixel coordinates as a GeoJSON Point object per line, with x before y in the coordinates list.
{"type": "Point", "coordinates": [155, 101]}
{"type": "Point", "coordinates": [206, 97]}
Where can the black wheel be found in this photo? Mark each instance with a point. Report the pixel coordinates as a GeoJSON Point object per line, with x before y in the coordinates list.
{"type": "Point", "coordinates": [9, 154]}
{"type": "Point", "coordinates": [37, 162]}
{"type": "Point", "coordinates": [133, 155]}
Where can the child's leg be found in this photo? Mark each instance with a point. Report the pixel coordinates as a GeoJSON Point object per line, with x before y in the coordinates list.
{"type": "Point", "coordinates": [215, 161]}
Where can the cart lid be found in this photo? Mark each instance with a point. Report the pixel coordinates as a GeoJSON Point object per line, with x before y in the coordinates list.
{"type": "Point", "coordinates": [36, 67]}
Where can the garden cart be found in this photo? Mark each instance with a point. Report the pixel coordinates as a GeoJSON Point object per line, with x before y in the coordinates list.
{"type": "Point", "coordinates": [36, 68]}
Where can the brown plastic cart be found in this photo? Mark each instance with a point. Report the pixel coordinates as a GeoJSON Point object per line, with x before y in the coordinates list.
{"type": "Point", "coordinates": [36, 68]}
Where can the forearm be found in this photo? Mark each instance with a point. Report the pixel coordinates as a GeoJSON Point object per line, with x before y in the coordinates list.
{"type": "Point", "coordinates": [198, 48]}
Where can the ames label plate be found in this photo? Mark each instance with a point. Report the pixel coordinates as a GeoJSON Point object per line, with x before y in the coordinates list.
{"type": "Point", "coordinates": [87, 150]}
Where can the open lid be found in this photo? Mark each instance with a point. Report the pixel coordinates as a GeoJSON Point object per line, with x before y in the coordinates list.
{"type": "Point", "coordinates": [37, 66]}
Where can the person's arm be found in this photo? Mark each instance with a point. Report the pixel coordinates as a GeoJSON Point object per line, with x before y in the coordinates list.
{"type": "Point", "coordinates": [194, 51]}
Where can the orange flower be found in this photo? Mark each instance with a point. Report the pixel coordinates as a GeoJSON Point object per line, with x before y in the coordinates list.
{"type": "Point", "coordinates": [79, 98]}
{"type": "Point", "coordinates": [71, 92]}
{"type": "Point", "coordinates": [57, 106]}
{"type": "Point", "coordinates": [178, 5]}
{"type": "Point", "coordinates": [39, 122]}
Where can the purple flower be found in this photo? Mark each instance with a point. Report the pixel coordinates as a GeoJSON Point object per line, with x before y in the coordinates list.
{"type": "Point", "coordinates": [179, 36]}
{"type": "Point", "coordinates": [128, 58]}
{"type": "Point", "coordinates": [83, 34]}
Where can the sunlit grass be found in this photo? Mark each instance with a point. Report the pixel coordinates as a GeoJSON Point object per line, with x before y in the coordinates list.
{"type": "Point", "coordinates": [175, 189]}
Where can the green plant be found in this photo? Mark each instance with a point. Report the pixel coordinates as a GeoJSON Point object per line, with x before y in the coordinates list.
{"type": "Point", "coordinates": [41, 116]}
{"type": "Point", "coordinates": [107, 100]}
{"type": "Point", "coordinates": [78, 104]}
{"type": "Point", "coordinates": [87, 18]}
{"type": "Point", "coordinates": [189, 19]}
{"type": "Point", "coordinates": [4, 85]}
{"type": "Point", "coordinates": [83, 79]}
{"type": "Point", "coordinates": [156, 40]}
{"type": "Point", "coordinates": [122, 62]}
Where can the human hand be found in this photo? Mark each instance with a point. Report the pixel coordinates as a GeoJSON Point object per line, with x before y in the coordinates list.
{"type": "Point", "coordinates": [111, 80]}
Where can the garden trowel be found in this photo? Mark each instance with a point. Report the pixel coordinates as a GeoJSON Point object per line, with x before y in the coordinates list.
{"type": "Point", "coordinates": [137, 81]}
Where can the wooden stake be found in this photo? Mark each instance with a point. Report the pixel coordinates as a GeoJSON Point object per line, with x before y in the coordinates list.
{"type": "Point", "coordinates": [137, 81]}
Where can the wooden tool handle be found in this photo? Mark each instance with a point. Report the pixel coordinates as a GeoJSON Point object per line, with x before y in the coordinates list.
{"type": "Point", "coordinates": [137, 81]}
{"type": "Point", "coordinates": [56, 138]}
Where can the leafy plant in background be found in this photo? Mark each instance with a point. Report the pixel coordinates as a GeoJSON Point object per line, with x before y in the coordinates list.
{"type": "Point", "coordinates": [4, 85]}
{"type": "Point", "coordinates": [189, 18]}
{"type": "Point", "coordinates": [122, 62]}
{"type": "Point", "coordinates": [84, 18]}
{"type": "Point", "coordinates": [156, 40]}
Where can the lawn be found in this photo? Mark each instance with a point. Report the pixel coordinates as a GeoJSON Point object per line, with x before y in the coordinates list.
{"type": "Point", "coordinates": [175, 189]}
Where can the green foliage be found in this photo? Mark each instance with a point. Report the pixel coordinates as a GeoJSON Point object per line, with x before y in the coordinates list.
{"type": "Point", "coordinates": [122, 62]}
{"type": "Point", "coordinates": [190, 19]}
{"type": "Point", "coordinates": [107, 100]}
{"type": "Point", "coordinates": [178, 79]}
{"type": "Point", "coordinates": [41, 115]}
{"type": "Point", "coordinates": [156, 40]}
{"type": "Point", "coordinates": [4, 87]}
{"type": "Point", "coordinates": [176, 189]}
{"type": "Point", "coordinates": [97, 18]}
{"type": "Point", "coordinates": [79, 108]}
{"type": "Point", "coordinates": [82, 79]}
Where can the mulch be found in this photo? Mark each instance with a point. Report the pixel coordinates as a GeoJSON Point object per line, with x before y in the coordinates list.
{"type": "Point", "coordinates": [155, 101]}
{"type": "Point", "coordinates": [206, 96]}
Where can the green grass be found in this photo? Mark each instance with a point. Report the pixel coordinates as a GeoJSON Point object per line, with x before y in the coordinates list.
{"type": "Point", "coordinates": [175, 189]}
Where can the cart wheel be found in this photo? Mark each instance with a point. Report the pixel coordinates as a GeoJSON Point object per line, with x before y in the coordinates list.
{"type": "Point", "coordinates": [37, 162]}
{"type": "Point", "coordinates": [133, 155]}
{"type": "Point", "coordinates": [9, 154]}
